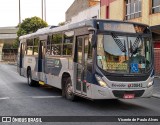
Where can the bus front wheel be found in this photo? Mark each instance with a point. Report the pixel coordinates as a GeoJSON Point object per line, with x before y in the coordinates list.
{"type": "Point", "coordinates": [69, 90]}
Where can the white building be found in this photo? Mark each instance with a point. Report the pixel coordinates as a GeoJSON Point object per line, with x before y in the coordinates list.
{"type": "Point", "coordinates": [92, 12]}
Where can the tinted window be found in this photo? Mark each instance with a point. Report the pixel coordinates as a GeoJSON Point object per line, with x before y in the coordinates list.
{"type": "Point", "coordinates": [68, 43]}
{"type": "Point", "coordinates": [56, 44]}
{"type": "Point", "coordinates": [35, 47]}
{"type": "Point", "coordinates": [29, 47]}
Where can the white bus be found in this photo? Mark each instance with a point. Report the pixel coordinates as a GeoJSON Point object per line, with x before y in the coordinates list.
{"type": "Point", "coordinates": [94, 59]}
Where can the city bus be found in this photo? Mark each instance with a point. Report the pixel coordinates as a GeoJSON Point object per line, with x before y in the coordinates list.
{"type": "Point", "coordinates": [93, 59]}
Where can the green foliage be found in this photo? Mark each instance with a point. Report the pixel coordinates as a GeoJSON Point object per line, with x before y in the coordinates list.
{"type": "Point", "coordinates": [61, 24]}
{"type": "Point", "coordinates": [29, 25]}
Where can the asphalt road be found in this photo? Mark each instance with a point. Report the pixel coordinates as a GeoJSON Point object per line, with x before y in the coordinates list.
{"type": "Point", "coordinates": [18, 99]}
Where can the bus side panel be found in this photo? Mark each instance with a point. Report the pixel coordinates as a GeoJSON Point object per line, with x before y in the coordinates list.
{"type": "Point", "coordinates": [41, 72]}
{"type": "Point", "coordinates": [35, 71]}
{"type": "Point", "coordinates": [20, 59]}
{"type": "Point", "coordinates": [32, 63]}
{"type": "Point", "coordinates": [22, 70]}
{"type": "Point", "coordinates": [54, 69]}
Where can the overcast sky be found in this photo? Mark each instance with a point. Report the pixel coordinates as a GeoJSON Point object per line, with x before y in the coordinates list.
{"type": "Point", "coordinates": [55, 11]}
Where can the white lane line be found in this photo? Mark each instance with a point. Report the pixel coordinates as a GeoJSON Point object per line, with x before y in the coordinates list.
{"type": "Point", "coordinates": [4, 98]}
{"type": "Point", "coordinates": [45, 97]}
{"type": "Point", "coordinates": [33, 97]}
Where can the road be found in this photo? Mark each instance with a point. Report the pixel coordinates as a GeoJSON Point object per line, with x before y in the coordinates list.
{"type": "Point", "coordinates": [18, 99]}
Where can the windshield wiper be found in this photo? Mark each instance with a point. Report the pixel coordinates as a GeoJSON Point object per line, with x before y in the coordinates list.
{"type": "Point", "coordinates": [118, 42]}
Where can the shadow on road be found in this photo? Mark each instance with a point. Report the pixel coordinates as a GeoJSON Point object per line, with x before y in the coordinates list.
{"type": "Point", "coordinates": [112, 104]}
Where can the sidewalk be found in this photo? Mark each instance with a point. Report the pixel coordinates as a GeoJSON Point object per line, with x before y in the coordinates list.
{"type": "Point", "coordinates": [7, 62]}
{"type": "Point", "coordinates": [156, 88]}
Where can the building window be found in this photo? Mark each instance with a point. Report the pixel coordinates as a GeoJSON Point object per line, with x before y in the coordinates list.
{"type": "Point", "coordinates": [155, 6]}
{"type": "Point", "coordinates": [133, 9]}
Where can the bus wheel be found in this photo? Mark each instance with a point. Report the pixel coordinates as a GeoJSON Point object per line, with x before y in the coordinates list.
{"type": "Point", "coordinates": [30, 81]}
{"type": "Point", "coordinates": [69, 90]}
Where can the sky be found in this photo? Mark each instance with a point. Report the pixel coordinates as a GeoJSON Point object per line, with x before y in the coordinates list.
{"type": "Point", "coordinates": [55, 11]}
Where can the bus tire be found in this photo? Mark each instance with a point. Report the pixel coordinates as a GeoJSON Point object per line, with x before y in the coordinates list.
{"type": "Point", "coordinates": [69, 90]}
{"type": "Point", "coordinates": [30, 81]}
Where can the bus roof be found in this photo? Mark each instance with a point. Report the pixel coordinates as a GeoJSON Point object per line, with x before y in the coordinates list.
{"type": "Point", "coordinates": [89, 23]}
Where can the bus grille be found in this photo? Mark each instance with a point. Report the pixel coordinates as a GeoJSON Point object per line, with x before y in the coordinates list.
{"type": "Point", "coordinates": [120, 94]}
{"type": "Point", "coordinates": [127, 78]}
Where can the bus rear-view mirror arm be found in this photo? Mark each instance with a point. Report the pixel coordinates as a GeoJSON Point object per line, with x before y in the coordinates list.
{"type": "Point", "coordinates": [93, 37]}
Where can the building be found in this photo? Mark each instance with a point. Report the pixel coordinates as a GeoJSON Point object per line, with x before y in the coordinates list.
{"type": "Point", "coordinates": [79, 6]}
{"type": "Point", "coordinates": [142, 11]}
{"type": "Point", "coordinates": [7, 35]}
{"type": "Point", "coordinates": [91, 12]}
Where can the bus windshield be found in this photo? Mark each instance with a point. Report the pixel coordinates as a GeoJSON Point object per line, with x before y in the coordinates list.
{"type": "Point", "coordinates": [124, 54]}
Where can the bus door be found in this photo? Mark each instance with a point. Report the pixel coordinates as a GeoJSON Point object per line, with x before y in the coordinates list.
{"type": "Point", "coordinates": [20, 57]}
{"type": "Point", "coordinates": [41, 57]}
{"type": "Point", "coordinates": [81, 46]}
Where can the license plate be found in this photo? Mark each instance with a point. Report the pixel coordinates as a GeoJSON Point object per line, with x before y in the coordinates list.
{"type": "Point", "coordinates": [128, 96]}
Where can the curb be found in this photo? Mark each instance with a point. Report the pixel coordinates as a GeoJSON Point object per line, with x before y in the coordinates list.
{"type": "Point", "coordinates": [156, 95]}
{"type": "Point", "coordinates": [15, 64]}
{"type": "Point", "coordinates": [9, 63]}
{"type": "Point", "coordinates": [156, 76]}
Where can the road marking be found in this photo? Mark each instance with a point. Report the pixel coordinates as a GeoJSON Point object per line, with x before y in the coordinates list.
{"type": "Point", "coordinates": [45, 97]}
{"type": "Point", "coordinates": [33, 97]}
{"type": "Point", "coordinates": [4, 98]}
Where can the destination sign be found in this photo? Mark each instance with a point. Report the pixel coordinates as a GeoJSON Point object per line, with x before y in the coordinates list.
{"type": "Point", "coordinates": [116, 66]}
{"type": "Point", "coordinates": [122, 27]}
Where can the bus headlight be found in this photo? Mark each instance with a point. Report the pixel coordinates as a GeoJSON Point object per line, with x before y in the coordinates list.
{"type": "Point", "coordinates": [100, 81]}
{"type": "Point", "coordinates": [150, 84]}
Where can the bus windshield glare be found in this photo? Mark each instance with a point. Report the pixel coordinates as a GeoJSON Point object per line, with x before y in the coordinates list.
{"type": "Point", "coordinates": [124, 54]}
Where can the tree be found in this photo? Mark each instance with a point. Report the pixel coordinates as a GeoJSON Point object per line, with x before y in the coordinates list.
{"type": "Point", "coordinates": [61, 24]}
{"type": "Point", "coordinates": [29, 25]}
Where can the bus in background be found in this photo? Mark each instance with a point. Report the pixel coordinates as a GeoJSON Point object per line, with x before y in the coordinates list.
{"type": "Point", "coordinates": [94, 59]}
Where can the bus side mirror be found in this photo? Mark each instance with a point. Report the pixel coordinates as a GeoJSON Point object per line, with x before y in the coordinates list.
{"type": "Point", "coordinates": [92, 36]}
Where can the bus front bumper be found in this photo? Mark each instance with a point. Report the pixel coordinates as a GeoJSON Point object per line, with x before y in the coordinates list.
{"type": "Point", "coordinates": [108, 93]}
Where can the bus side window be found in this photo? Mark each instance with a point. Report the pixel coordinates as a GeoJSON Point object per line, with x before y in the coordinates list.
{"type": "Point", "coordinates": [29, 47]}
{"type": "Point", "coordinates": [56, 46]}
{"type": "Point", "coordinates": [35, 47]}
{"type": "Point", "coordinates": [68, 43]}
{"type": "Point", "coordinates": [48, 47]}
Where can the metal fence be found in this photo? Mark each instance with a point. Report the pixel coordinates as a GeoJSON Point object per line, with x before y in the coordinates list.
{"type": "Point", "coordinates": [10, 57]}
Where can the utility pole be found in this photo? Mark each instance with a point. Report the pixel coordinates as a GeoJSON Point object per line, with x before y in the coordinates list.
{"type": "Point", "coordinates": [19, 11]}
{"type": "Point", "coordinates": [42, 9]}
